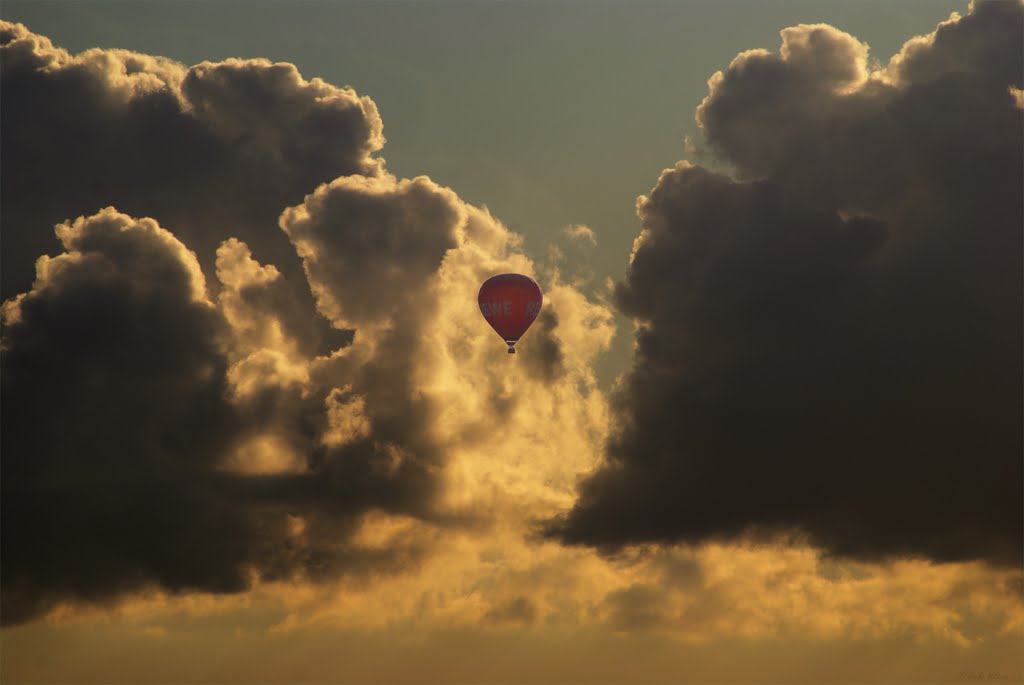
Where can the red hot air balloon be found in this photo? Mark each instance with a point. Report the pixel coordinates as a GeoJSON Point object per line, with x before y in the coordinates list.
{"type": "Point", "coordinates": [510, 303]}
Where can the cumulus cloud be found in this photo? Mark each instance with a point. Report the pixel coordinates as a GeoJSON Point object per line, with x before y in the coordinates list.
{"type": "Point", "coordinates": [831, 343]}
{"type": "Point", "coordinates": [146, 445]}
{"type": "Point", "coordinates": [212, 151]}
{"type": "Point", "coordinates": [936, 121]}
{"type": "Point", "coordinates": [369, 245]}
{"type": "Point", "coordinates": [113, 423]}
{"type": "Point", "coordinates": [173, 420]}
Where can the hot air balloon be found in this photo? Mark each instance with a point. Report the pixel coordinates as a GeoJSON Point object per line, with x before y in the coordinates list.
{"type": "Point", "coordinates": [510, 303]}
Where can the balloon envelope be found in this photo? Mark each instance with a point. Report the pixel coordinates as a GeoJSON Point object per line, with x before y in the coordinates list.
{"type": "Point", "coordinates": [510, 303]}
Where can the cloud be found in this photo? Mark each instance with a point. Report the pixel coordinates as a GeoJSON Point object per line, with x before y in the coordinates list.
{"type": "Point", "coordinates": [831, 344]}
{"type": "Point", "coordinates": [162, 430]}
{"type": "Point", "coordinates": [212, 151]}
{"type": "Point", "coordinates": [113, 423]}
{"type": "Point", "coordinates": [706, 595]}
{"type": "Point", "coordinates": [517, 610]}
{"type": "Point", "coordinates": [146, 446]}
{"type": "Point", "coordinates": [935, 121]}
{"type": "Point", "coordinates": [581, 233]}
{"type": "Point", "coordinates": [569, 255]}
{"type": "Point", "coordinates": [369, 245]}
{"type": "Point", "coordinates": [178, 418]}
{"type": "Point", "coordinates": [792, 592]}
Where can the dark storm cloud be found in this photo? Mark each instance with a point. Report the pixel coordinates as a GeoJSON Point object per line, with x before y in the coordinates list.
{"type": "Point", "coordinates": [797, 367]}
{"type": "Point", "coordinates": [112, 388]}
{"type": "Point", "coordinates": [938, 121]}
{"type": "Point", "coordinates": [212, 151]}
{"type": "Point", "coordinates": [118, 428]}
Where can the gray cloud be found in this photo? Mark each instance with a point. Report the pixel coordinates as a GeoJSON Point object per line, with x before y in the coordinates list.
{"type": "Point", "coordinates": [833, 344]}
{"type": "Point", "coordinates": [165, 431]}
{"type": "Point", "coordinates": [159, 429]}
{"type": "Point", "coordinates": [113, 424]}
{"type": "Point", "coordinates": [937, 121]}
{"type": "Point", "coordinates": [212, 151]}
{"type": "Point", "coordinates": [121, 414]}
{"type": "Point", "coordinates": [371, 249]}
{"type": "Point", "coordinates": [369, 244]}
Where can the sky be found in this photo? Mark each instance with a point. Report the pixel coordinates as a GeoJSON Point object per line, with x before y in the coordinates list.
{"type": "Point", "coordinates": [766, 428]}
